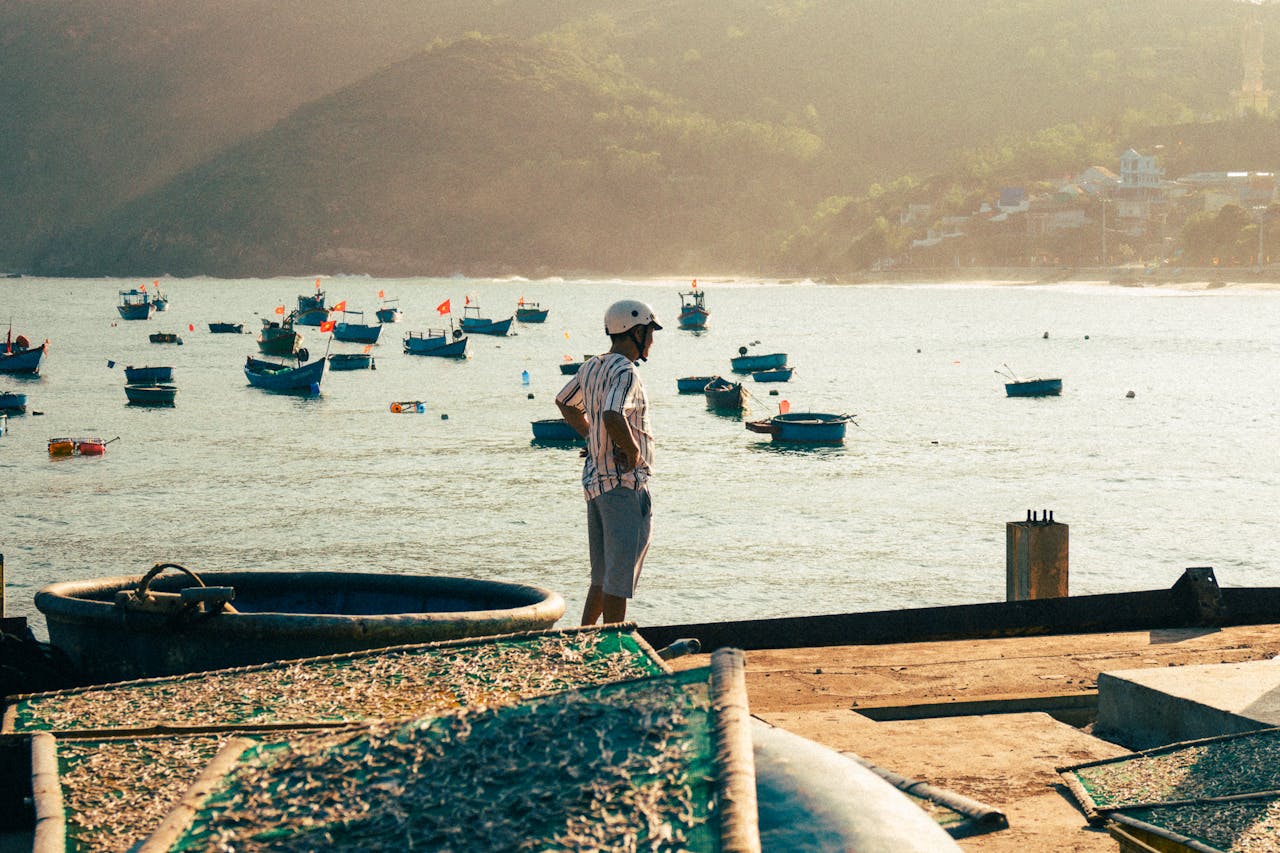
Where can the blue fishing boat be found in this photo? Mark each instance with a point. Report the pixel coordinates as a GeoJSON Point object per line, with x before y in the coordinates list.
{"type": "Point", "coordinates": [12, 401]}
{"type": "Point", "coordinates": [531, 312]}
{"type": "Point", "coordinates": [437, 342]}
{"type": "Point", "coordinates": [311, 310]}
{"type": "Point", "coordinates": [151, 395]}
{"type": "Point", "coordinates": [135, 305]}
{"type": "Point", "coordinates": [744, 363]}
{"type": "Point", "coordinates": [226, 328]}
{"type": "Point", "coordinates": [692, 384]}
{"type": "Point", "coordinates": [804, 427]}
{"type": "Point", "coordinates": [158, 298]}
{"type": "Point", "coordinates": [555, 430]}
{"type": "Point", "coordinates": [18, 356]}
{"type": "Point", "coordinates": [271, 376]}
{"type": "Point", "coordinates": [1033, 388]}
{"type": "Point", "coordinates": [279, 338]}
{"type": "Point", "coordinates": [148, 375]}
{"type": "Point", "coordinates": [569, 368]}
{"type": "Point", "coordinates": [352, 361]}
{"type": "Point", "coordinates": [693, 309]}
{"type": "Point", "coordinates": [359, 333]}
{"type": "Point", "coordinates": [724, 395]}
{"type": "Point", "coordinates": [389, 311]}
{"type": "Point", "coordinates": [773, 374]}
{"type": "Point", "coordinates": [472, 322]}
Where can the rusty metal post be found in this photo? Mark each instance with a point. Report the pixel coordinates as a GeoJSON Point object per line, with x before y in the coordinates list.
{"type": "Point", "coordinates": [1035, 558]}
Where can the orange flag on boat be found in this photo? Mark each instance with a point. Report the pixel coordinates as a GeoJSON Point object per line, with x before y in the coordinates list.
{"type": "Point", "coordinates": [695, 284]}
{"type": "Point", "coordinates": [317, 284]}
{"type": "Point", "coordinates": [444, 308]}
{"type": "Point", "coordinates": [279, 309]}
{"type": "Point", "coordinates": [341, 306]}
{"type": "Point", "coordinates": [468, 302]}
{"type": "Point", "coordinates": [381, 294]}
{"type": "Point", "coordinates": [327, 326]}
{"type": "Point", "coordinates": [520, 301]}
{"type": "Point", "coordinates": [784, 407]}
{"type": "Point", "coordinates": [144, 288]}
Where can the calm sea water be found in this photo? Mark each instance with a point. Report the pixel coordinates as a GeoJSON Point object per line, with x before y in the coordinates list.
{"type": "Point", "coordinates": [910, 512]}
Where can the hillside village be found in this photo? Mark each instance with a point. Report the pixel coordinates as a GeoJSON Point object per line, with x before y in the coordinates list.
{"type": "Point", "coordinates": [1099, 217]}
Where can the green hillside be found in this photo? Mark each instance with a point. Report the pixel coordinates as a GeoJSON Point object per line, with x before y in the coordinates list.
{"type": "Point", "coordinates": [746, 135]}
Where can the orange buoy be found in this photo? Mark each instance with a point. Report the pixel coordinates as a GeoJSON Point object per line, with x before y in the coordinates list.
{"type": "Point", "coordinates": [61, 446]}
{"type": "Point", "coordinates": [396, 408]}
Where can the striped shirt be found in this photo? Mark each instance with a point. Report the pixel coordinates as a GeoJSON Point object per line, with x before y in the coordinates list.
{"type": "Point", "coordinates": [610, 383]}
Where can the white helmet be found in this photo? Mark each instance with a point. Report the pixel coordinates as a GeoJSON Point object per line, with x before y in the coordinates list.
{"type": "Point", "coordinates": [626, 314]}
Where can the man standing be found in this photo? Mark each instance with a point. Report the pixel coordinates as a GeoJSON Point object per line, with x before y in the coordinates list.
{"type": "Point", "coordinates": [605, 402]}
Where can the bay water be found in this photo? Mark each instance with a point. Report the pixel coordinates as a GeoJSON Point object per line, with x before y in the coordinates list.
{"type": "Point", "coordinates": [910, 511]}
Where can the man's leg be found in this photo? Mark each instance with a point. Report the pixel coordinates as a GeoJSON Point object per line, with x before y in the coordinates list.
{"type": "Point", "coordinates": [615, 609]}
{"type": "Point", "coordinates": [595, 605]}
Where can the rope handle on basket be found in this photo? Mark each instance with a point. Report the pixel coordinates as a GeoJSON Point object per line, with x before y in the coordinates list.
{"type": "Point", "coordinates": [157, 569]}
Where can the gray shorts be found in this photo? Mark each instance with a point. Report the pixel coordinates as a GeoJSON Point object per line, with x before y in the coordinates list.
{"type": "Point", "coordinates": [618, 527]}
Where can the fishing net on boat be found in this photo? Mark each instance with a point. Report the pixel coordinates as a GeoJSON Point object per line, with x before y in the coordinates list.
{"type": "Point", "coordinates": [394, 683]}
{"type": "Point", "coordinates": [658, 764]}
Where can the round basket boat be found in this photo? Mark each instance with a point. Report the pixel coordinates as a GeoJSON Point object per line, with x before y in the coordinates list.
{"type": "Point", "coordinates": [125, 627]}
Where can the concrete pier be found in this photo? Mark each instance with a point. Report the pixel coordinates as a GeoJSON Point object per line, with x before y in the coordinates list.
{"type": "Point", "coordinates": [1143, 708]}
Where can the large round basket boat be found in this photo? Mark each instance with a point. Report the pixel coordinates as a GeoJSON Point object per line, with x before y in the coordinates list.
{"type": "Point", "coordinates": [128, 627]}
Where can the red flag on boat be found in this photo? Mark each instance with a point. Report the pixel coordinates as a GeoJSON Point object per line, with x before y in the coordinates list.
{"type": "Point", "coordinates": [341, 306]}
{"type": "Point", "coordinates": [279, 309]}
{"type": "Point", "coordinates": [327, 326]}
{"type": "Point", "coordinates": [444, 308]}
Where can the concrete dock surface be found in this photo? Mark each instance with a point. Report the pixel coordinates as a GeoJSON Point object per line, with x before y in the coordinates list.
{"type": "Point", "coordinates": [989, 719]}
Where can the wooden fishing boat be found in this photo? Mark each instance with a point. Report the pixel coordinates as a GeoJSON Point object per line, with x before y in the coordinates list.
{"type": "Point", "coordinates": [358, 333]}
{"type": "Point", "coordinates": [474, 323]}
{"type": "Point", "coordinates": [1033, 388]}
{"type": "Point", "coordinates": [279, 338]}
{"type": "Point", "coordinates": [555, 430]}
{"type": "Point", "coordinates": [148, 375]}
{"type": "Point", "coordinates": [773, 374]}
{"type": "Point", "coordinates": [531, 312]}
{"type": "Point", "coordinates": [12, 401]}
{"type": "Point", "coordinates": [151, 395]}
{"type": "Point", "coordinates": [804, 427]}
{"type": "Point", "coordinates": [352, 361]}
{"type": "Point", "coordinates": [744, 363]}
{"type": "Point", "coordinates": [437, 342]}
{"type": "Point", "coordinates": [159, 299]}
{"type": "Point", "coordinates": [311, 310]}
{"type": "Point", "coordinates": [226, 328]}
{"type": "Point", "coordinates": [724, 395]}
{"type": "Point", "coordinates": [389, 311]}
{"type": "Point", "coordinates": [270, 376]}
{"type": "Point", "coordinates": [692, 384]}
{"type": "Point", "coordinates": [568, 368]}
{"type": "Point", "coordinates": [135, 305]}
{"type": "Point", "coordinates": [693, 310]}
{"type": "Point", "coordinates": [18, 356]}
{"type": "Point", "coordinates": [166, 338]}
{"type": "Point", "coordinates": [124, 627]}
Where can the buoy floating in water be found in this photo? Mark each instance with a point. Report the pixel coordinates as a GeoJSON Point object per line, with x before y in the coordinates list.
{"type": "Point", "coordinates": [408, 407]}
